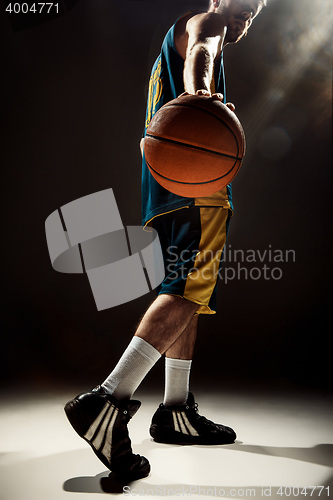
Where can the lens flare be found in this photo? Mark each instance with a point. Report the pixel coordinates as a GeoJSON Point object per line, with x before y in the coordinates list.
{"type": "Point", "coordinates": [304, 30]}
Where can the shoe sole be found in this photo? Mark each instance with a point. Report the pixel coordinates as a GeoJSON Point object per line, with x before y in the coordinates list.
{"type": "Point", "coordinates": [75, 415]}
{"type": "Point", "coordinates": [160, 436]}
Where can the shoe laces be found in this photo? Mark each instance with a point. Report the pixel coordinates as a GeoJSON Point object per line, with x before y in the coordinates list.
{"type": "Point", "coordinates": [203, 420]}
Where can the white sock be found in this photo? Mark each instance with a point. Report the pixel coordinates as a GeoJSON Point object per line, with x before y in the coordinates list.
{"type": "Point", "coordinates": [177, 379]}
{"type": "Point", "coordinates": [138, 358]}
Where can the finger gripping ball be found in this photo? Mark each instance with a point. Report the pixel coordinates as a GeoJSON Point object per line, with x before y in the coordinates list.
{"type": "Point", "coordinates": [194, 146]}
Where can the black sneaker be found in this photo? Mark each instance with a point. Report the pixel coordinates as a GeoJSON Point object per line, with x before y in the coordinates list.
{"type": "Point", "coordinates": [183, 425]}
{"type": "Point", "coordinates": [102, 420]}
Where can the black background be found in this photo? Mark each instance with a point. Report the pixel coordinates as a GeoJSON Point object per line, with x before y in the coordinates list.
{"type": "Point", "coordinates": [73, 106]}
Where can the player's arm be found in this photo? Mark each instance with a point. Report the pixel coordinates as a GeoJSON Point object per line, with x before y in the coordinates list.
{"type": "Point", "coordinates": [206, 34]}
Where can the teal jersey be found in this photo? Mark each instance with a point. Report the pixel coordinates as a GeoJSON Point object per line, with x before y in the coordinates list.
{"type": "Point", "coordinates": [166, 83]}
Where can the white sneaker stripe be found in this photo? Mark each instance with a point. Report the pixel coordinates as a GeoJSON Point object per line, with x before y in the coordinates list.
{"type": "Point", "coordinates": [181, 423]}
{"type": "Point", "coordinates": [106, 451]}
{"type": "Point", "coordinates": [175, 421]}
{"type": "Point", "coordinates": [92, 429]}
{"type": "Point", "coordinates": [189, 426]}
{"type": "Point", "coordinates": [99, 438]}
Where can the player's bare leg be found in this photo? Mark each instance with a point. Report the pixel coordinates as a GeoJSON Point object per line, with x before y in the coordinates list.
{"type": "Point", "coordinates": [178, 358]}
{"type": "Point", "coordinates": [183, 347]}
{"type": "Point", "coordinates": [165, 321]}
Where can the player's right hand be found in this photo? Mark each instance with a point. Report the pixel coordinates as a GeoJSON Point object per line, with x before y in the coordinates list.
{"type": "Point", "coordinates": [218, 96]}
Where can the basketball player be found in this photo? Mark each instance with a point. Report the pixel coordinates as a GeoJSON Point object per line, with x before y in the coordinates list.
{"type": "Point", "coordinates": [190, 61]}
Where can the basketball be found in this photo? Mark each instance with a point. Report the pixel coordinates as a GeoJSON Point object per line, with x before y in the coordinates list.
{"type": "Point", "coordinates": [194, 146]}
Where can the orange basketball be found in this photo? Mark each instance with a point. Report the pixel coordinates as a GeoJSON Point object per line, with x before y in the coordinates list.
{"type": "Point", "coordinates": [194, 146]}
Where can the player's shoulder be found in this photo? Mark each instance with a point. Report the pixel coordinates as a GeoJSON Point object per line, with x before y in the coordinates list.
{"type": "Point", "coordinates": [197, 27]}
{"type": "Point", "coordinates": [207, 23]}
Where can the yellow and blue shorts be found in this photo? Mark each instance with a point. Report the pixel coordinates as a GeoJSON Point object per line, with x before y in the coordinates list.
{"type": "Point", "coordinates": [192, 241]}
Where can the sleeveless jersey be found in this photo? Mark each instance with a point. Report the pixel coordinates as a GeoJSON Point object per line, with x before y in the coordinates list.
{"type": "Point", "coordinates": [166, 83]}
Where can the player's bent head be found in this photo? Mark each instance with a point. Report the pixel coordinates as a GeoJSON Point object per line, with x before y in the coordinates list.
{"type": "Point", "coordinates": [221, 4]}
{"type": "Point", "coordinates": [238, 15]}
